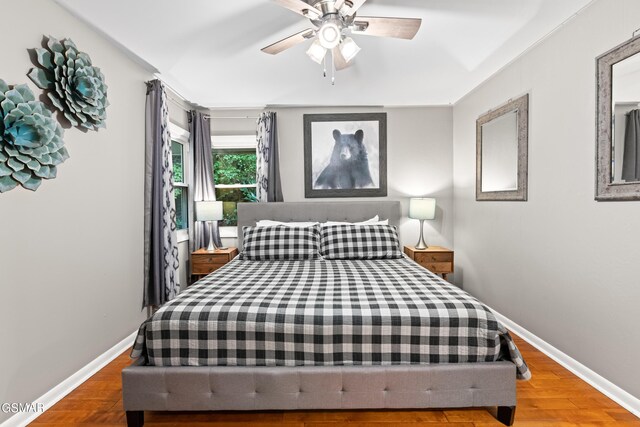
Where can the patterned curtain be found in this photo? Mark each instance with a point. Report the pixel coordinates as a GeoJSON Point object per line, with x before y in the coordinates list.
{"type": "Point", "coordinates": [203, 183]}
{"type": "Point", "coordinates": [160, 248]}
{"type": "Point", "coordinates": [269, 188]}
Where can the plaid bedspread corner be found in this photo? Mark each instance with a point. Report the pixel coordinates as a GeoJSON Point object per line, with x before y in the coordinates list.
{"type": "Point", "coordinates": [139, 346]}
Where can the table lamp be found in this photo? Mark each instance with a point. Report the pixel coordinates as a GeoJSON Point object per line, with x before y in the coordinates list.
{"type": "Point", "coordinates": [422, 208]}
{"type": "Point", "coordinates": [209, 211]}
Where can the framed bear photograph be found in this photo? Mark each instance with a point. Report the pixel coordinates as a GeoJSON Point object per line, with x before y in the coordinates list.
{"type": "Point", "coordinates": [345, 155]}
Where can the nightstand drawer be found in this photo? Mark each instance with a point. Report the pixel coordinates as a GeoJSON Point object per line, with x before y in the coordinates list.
{"type": "Point", "coordinates": [438, 267]}
{"type": "Point", "coordinates": [436, 259]}
{"type": "Point", "coordinates": [205, 268]}
{"type": "Point", "coordinates": [433, 257]}
{"type": "Point", "coordinates": [210, 259]}
{"type": "Point", "coordinates": [204, 262]}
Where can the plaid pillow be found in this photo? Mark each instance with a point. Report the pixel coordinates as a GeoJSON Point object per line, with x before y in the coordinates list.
{"type": "Point", "coordinates": [280, 242]}
{"type": "Point", "coordinates": [359, 242]}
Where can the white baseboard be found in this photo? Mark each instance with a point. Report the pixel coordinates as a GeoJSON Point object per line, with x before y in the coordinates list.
{"type": "Point", "coordinates": [51, 397]}
{"type": "Point", "coordinates": [603, 385]}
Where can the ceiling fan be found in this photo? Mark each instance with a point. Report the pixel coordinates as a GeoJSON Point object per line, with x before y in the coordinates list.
{"type": "Point", "coordinates": [333, 20]}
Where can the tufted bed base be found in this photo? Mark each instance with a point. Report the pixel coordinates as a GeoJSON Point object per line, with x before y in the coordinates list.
{"type": "Point", "coordinates": [229, 388]}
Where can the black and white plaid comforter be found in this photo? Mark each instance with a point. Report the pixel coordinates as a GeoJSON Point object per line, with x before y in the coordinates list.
{"type": "Point", "coordinates": [320, 312]}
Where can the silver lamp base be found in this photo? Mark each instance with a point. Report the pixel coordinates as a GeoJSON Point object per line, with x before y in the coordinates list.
{"type": "Point", "coordinates": [421, 243]}
{"type": "Point", "coordinates": [212, 246]}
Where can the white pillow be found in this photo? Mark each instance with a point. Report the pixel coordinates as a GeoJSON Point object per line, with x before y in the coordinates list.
{"type": "Point", "coordinates": [381, 222]}
{"type": "Point", "coordinates": [269, 223]}
{"type": "Point", "coordinates": [372, 221]}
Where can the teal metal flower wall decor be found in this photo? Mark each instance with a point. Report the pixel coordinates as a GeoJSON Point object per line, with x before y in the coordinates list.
{"type": "Point", "coordinates": [73, 84]}
{"type": "Point", "coordinates": [31, 144]}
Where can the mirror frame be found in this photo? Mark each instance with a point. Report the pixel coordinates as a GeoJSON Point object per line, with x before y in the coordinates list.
{"type": "Point", "coordinates": [606, 190]}
{"type": "Point", "coordinates": [521, 107]}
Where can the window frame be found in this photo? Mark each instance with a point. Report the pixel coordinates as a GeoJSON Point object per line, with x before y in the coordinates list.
{"type": "Point", "coordinates": [230, 143]}
{"type": "Point", "coordinates": [181, 136]}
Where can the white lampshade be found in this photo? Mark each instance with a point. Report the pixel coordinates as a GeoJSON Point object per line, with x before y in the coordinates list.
{"type": "Point", "coordinates": [316, 52]}
{"type": "Point", "coordinates": [349, 49]}
{"type": "Point", "coordinates": [422, 208]}
{"type": "Point", "coordinates": [209, 211]}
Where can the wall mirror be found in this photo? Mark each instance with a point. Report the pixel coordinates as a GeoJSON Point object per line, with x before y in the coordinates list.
{"type": "Point", "coordinates": [618, 123]}
{"type": "Point", "coordinates": [501, 152]}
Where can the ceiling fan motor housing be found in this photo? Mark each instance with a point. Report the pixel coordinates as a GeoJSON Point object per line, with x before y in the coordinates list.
{"type": "Point", "coordinates": [326, 7]}
{"type": "Point", "coordinates": [331, 13]}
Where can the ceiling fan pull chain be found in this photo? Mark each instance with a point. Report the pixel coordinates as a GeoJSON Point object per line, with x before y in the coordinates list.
{"type": "Point", "coordinates": [333, 71]}
{"type": "Point", "coordinates": [324, 66]}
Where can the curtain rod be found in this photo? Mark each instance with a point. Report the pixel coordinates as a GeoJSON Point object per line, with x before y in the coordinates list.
{"type": "Point", "coordinates": [233, 118]}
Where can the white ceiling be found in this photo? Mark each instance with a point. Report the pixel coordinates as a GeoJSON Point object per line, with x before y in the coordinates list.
{"type": "Point", "coordinates": [209, 50]}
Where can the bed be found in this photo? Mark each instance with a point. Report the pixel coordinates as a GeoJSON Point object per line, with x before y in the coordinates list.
{"type": "Point", "coordinates": [321, 334]}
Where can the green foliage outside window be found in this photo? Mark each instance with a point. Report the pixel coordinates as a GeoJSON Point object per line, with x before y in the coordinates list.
{"type": "Point", "coordinates": [180, 195]}
{"type": "Point", "coordinates": [179, 192]}
{"type": "Point", "coordinates": [234, 168]}
{"type": "Point", "coordinates": [176, 157]}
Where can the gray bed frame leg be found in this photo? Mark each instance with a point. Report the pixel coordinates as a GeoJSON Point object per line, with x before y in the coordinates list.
{"type": "Point", "coordinates": [135, 418]}
{"type": "Point", "coordinates": [506, 414]}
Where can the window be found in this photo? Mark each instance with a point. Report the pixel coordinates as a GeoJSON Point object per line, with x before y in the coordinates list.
{"type": "Point", "coordinates": [180, 156]}
{"type": "Point", "coordinates": [235, 178]}
{"type": "Point", "coordinates": [234, 170]}
{"type": "Point", "coordinates": [180, 187]}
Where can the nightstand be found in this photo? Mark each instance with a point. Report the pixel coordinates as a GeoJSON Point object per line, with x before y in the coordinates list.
{"type": "Point", "coordinates": [204, 262]}
{"type": "Point", "coordinates": [436, 259]}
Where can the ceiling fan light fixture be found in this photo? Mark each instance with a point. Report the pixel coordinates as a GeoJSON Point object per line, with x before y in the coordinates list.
{"type": "Point", "coordinates": [329, 35]}
{"type": "Point", "coordinates": [349, 49]}
{"type": "Point", "coordinates": [316, 51]}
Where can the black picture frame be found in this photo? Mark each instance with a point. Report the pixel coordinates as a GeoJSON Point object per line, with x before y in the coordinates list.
{"type": "Point", "coordinates": [380, 190]}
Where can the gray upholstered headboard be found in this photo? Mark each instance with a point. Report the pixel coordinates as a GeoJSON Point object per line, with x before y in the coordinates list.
{"type": "Point", "coordinates": [249, 213]}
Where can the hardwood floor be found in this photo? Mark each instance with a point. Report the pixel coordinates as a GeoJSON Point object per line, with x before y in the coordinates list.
{"type": "Point", "coordinates": [553, 397]}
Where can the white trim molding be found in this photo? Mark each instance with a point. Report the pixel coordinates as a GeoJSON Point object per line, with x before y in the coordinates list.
{"type": "Point", "coordinates": [54, 395]}
{"type": "Point", "coordinates": [603, 385]}
{"type": "Point", "coordinates": [229, 142]}
{"type": "Point", "coordinates": [179, 134]}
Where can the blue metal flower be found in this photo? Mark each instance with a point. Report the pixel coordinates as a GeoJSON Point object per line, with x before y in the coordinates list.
{"type": "Point", "coordinates": [73, 84]}
{"type": "Point", "coordinates": [31, 144]}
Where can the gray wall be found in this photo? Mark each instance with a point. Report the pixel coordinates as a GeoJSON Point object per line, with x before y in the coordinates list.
{"type": "Point", "coordinates": [71, 254]}
{"type": "Point", "coordinates": [419, 158]}
{"type": "Point", "coordinates": [184, 252]}
{"type": "Point", "coordinates": [562, 265]}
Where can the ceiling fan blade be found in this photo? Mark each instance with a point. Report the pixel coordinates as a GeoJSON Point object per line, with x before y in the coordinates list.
{"type": "Point", "coordinates": [338, 59]}
{"type": "Point", "coordinates": [300, 7]}
{"type": "Point", "coordinates": [401, 28]}
{"type": "Point", "coordinates": [352, 5]}
{"type": "Point", "coordinates": [288, 42]}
